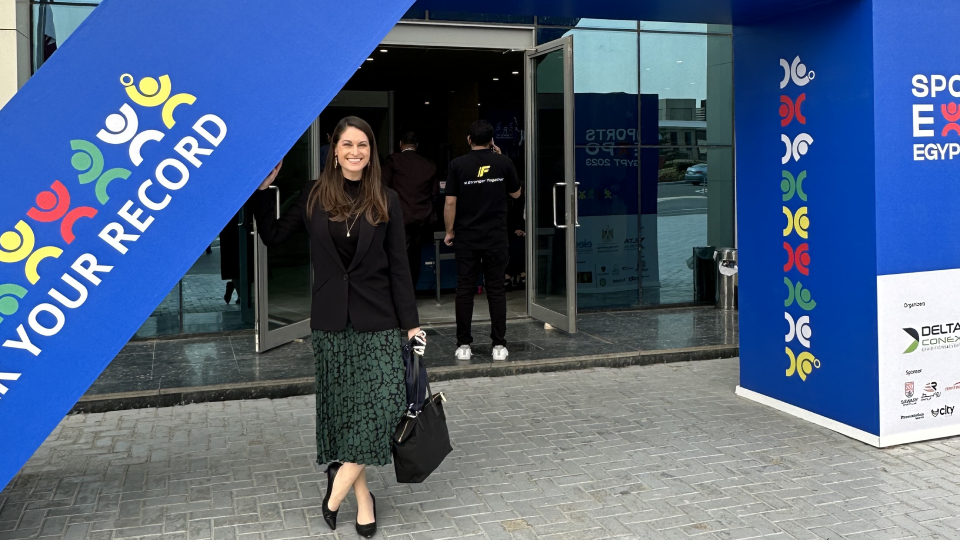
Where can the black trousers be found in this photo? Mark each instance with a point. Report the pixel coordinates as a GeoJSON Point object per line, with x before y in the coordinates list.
{"type": "Point", "coordinates": [415, 237]}
{"type": "Point", "coordinates": [492, 262]}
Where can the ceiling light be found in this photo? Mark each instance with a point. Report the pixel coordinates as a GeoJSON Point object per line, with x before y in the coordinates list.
{"type": "Point", "coordinates": [496, 79]}
{"type": "Point", "coordinates": [516, 72]}
{"type": "Point", "coordinates": [478, 104]}
{"type": "Point", "coordinates": [426, 102]}
{"type": "Point", "coordinates": [370, 59]}
{"type": "Point", "coordinates": [679, 61]}
{"type": "Point", "coordinates": [383, 50]}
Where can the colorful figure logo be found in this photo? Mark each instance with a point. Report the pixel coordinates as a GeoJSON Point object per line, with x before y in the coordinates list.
{"type": "Point", "coordinates": [790, 110]}
{"type": "Point", "coordinates": [17, 246]}
{"type": "Point", "coordinates": [55, 204]}
{"type": "Point", "coordinates": [9, 299]}
{"type": "Point", "coordinates": [796, 293]}
{"type": "Point", "coordinates": [799, 258]}
{"type": "Point", "coordinates": [791, 186]}
{"type": "Point", "coordinates": [799, 329]}
{"type": "Point", "coordinates": [797, 222]}
{"type": "Point", "coordinates": [951, 112]}
{"type": "Point", "coordinates": [153, 94]}
{"type": "Point", "coordinates": [796, 148]}
{"type": "Point", "coordinates": [802, 365]}
{"type": "Point", "coordinates": [795, 71]}
{"type": "Point", "coordinates": [89, 161]}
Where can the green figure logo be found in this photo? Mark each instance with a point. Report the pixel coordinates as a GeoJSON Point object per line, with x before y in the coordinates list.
{"type": "Point", "coordinates": [916, 340]}
{"type": "Point", "coordinates": [799, 294]}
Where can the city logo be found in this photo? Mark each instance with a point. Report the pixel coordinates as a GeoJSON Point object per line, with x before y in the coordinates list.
{"type": "Point", "coordinates": [916, 340]}
{"type": "Point", "coordinates": [946, 410]}
{"type": "Point", "coordinates": [793, 186]}
{"type": "Point", "coordinates": [790, 109]}
{"type": "Point", "coordinates": [800, 329]}
{"type": "Point", "coordinates": [483, 170]}
{"type": "Point", "coordinates": [796, 148]}
{"type": "Point", "coordinates": [795, 71]}
{"type": "Point", "coordinates": [801, 365]}
{"type": "Point", "coordinates": [930, 391]}
{"type": "Point", "coordinates": [799, 257]}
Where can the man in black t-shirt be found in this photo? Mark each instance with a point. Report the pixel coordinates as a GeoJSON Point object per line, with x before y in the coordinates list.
{"type": "Point", "coordinates": [475, 213]}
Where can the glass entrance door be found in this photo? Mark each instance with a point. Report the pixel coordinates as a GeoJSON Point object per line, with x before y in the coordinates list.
{"type": "Point", "coordinates": [283, 274]}
{"type": "Point", "coordinates": [551, 185]}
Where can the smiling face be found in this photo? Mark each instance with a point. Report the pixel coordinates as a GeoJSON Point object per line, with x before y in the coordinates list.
{"type": "Point", "coordinates": [353, 152]}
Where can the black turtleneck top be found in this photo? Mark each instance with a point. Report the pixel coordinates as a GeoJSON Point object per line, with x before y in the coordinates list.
{"type": "Point", "coordinates": [347, 245]}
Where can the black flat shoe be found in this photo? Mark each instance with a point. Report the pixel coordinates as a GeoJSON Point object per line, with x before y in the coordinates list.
{"type": "Point", "coordinates": [330, 516]}
{"type": "Point", "coordinates": [370, 529]}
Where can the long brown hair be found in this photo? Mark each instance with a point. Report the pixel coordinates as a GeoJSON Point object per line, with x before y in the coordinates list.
{"type": "Point", "coordinates": [328, 193]}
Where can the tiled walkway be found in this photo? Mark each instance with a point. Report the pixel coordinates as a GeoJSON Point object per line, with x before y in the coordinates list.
{"type": "Point", "coordinates": [665, 451]}
{"type": "Point", "coordinates": [166, 372]}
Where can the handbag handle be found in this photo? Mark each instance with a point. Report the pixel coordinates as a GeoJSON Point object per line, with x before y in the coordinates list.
{"type": "Point", "coordinates": [416, 369]}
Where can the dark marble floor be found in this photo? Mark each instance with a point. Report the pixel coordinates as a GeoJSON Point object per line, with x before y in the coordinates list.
{"type": "Point", "coordinates": [156, 365]}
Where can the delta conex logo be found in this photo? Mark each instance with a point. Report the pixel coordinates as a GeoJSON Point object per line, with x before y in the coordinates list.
{"type": "Point", "coordinates": [934, 337]}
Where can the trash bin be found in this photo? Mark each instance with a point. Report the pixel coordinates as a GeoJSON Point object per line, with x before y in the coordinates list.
{"type": "Point", "coordinates": [727, 278]}
{"type": "Point", "coordinates": [704, 267]}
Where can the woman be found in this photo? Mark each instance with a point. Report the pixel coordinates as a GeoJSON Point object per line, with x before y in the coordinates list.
{"type": "Point", "coordinates": [362, 297]}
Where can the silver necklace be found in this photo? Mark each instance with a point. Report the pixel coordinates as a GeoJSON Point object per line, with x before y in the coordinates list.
{"type": "Point", "coordinates": [349, 227]}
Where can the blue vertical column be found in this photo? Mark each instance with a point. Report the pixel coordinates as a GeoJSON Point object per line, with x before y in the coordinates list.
{"type": "Point", "coordinates": [805, 209]}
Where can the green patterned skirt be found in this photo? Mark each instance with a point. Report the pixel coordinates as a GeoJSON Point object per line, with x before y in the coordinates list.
{"type": "Point", "coordinates": [360, 394]}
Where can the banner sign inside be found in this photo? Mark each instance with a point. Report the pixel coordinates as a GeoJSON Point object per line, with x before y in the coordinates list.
{"type": "Point", "coordinates": [123, 158]}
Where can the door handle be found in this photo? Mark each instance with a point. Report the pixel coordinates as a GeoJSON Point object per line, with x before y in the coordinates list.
{"type": "Point", "coordinates": [278, 199]}
{"type": "Point", "coordinates": [576, 205]}
{"type": "Point", "coordinates": [555, 205]}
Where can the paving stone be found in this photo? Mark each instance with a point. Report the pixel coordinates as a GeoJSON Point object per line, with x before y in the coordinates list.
{"type": "Point", "coordinates": [595, 454]}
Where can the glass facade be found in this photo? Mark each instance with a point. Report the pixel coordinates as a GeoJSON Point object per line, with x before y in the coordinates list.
{"type": "Point", "coordinates": [653, 122]}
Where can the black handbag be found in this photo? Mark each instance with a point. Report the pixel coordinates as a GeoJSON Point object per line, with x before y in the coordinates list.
{"type": "Point", "coordinates": [421, 440]}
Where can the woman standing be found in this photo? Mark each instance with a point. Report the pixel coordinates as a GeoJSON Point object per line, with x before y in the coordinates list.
{"type": "Point", "coordinates": [362, 297]}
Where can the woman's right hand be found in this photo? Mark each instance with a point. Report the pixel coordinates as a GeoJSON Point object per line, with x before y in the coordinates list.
{"type": "Point", "coordinates": [271, 177]}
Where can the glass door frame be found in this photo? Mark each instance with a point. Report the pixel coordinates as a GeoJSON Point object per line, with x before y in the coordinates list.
{"type": "Point", "coordinates": [567, 321]}
{"type": "Point", "coordinates": [265, 338]}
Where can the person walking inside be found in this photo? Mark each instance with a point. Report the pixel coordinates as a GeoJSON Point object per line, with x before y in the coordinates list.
{"type": "Point", "coordinates": [475, 214]}
{"type": "Point", "coordinates": [361, 299]}
{"type": "Point", "coordinates": [414, 179]}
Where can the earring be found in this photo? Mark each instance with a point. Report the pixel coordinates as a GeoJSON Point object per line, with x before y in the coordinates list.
{"type": "Point", "coordinates": [336, 162]}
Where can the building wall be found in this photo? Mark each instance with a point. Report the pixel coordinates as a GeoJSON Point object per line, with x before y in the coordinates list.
{"type": "Point", "coordinates": [14, 47]}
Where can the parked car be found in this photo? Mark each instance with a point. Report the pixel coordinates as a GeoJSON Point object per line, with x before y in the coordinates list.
{"type": "Point", "coordinates": [696, 174]}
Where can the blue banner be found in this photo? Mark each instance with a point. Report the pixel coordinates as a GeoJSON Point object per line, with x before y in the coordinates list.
{"type": "Point", "coordinates": [125, 155]}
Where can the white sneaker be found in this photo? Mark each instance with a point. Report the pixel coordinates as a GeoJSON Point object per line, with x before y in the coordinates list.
{"type": "Point", "coordinates": [463, 352]}
{"type": "Point", "coordinates": [500, 353]}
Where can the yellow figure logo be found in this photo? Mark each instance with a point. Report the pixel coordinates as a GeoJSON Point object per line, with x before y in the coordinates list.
{"type": "Point", "coordinates": [17, 247]}
{"type": "Point", "coordinates": [153, 94]}
{"type": "Point", "coordinates": [483, 170]}
{"type": "Point", "coordinates": [797, 222]}
{"type": "Point", "coordinates": [801, 365]}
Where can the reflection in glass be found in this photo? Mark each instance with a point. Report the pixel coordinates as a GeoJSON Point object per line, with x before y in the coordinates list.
{"type": "Point", "coordinates": [288, 265]}
{"type": "Point", "coordinates": [684, 73]}
{"type": "Point", "coordinates": [694, 209]}
{"type": "Point", "coordinates": [52, 25]}
{"type": "Point", "coordinates": [548, 156]}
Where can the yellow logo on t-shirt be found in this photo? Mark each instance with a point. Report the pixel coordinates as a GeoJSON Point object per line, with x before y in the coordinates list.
{"type": "Point", "coordinates": [483, 170]}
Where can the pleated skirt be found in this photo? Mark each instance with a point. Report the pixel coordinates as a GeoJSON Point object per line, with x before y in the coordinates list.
{"type": "Point", "coordinates": [360, 394]}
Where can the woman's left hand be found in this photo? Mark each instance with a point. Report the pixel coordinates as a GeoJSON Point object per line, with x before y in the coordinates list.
{"type": "Point", "coordinates": [421, 341]}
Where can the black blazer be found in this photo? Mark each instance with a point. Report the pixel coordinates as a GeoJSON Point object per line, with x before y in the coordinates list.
{"type": "Point", "coordinates": [375, 291]}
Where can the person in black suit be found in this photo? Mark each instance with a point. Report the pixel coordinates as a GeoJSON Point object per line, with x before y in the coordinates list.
{"type": "Point", "coordinates": [414, 177]}
{"type": "Point", "coordinates": [361, 299]}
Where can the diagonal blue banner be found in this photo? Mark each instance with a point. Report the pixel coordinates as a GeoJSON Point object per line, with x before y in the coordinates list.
{"type": "Point", "coordinates": [125, 155]}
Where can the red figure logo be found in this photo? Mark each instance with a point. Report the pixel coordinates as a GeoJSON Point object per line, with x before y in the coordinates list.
{"type": "Point", "coordinates": [790, 109]}
{"type": "Point", "coordinates": [951, 112]}
{"type": "Point", "coordinates": [53, 205]}
{"type": "Point", "coordinates": [799, 258]}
